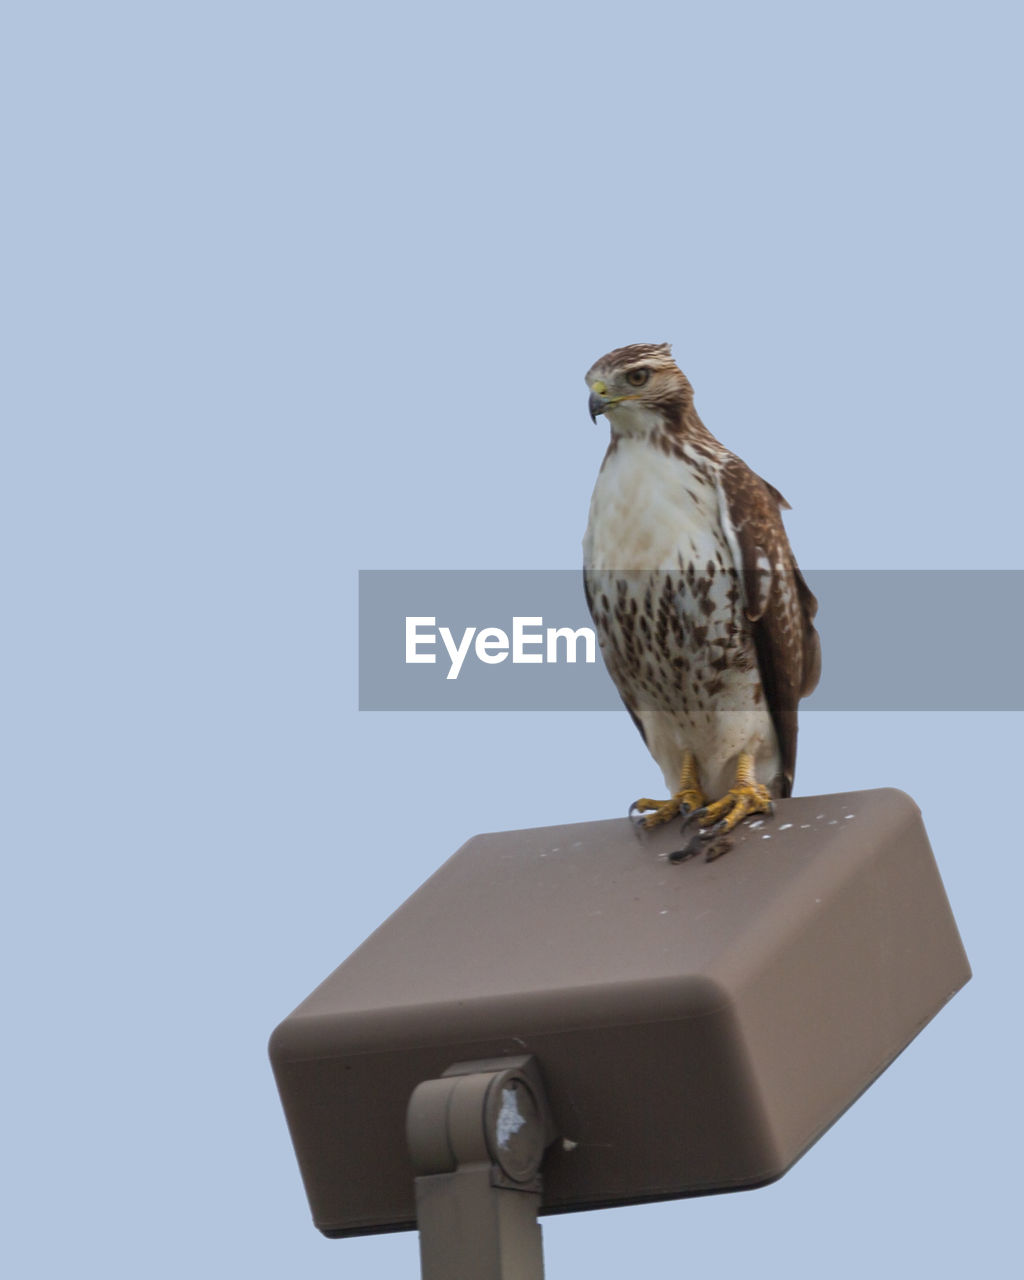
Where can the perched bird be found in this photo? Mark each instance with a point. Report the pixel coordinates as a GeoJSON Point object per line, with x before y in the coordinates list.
{"type": "Point", "coordinates": [704, 620]}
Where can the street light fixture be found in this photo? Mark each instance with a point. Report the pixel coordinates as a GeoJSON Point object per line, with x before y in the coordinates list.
{"type": "Point", "coordinates": [653, 1030]}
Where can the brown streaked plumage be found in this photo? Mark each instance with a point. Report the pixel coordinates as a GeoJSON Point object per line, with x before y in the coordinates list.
{"type": "Point", "coordinates": [704, 619]}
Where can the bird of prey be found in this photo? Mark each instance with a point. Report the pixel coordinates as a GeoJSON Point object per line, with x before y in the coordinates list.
{"type": "Point", "coordinates": [704, 620]}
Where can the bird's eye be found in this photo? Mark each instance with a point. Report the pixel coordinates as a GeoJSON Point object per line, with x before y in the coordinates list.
{"type": "Point", "coordinates": [637, 377]}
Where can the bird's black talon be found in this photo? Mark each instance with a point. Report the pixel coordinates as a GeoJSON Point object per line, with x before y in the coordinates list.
{"type": "Point", "coordinates": [690, 816]}
{"type": "Point", "coordinates": [637, 818]}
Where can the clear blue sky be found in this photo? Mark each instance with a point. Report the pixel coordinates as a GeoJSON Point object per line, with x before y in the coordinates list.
{"type": "Point", "coordinates": [292, 290]}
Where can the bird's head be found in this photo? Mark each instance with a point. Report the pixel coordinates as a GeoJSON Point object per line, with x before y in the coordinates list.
{"type": "Point", "coordinates": [638, 387]}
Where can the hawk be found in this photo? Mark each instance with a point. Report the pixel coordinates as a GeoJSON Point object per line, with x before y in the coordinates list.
{"type": "Point", "coordinates": [704, 620]}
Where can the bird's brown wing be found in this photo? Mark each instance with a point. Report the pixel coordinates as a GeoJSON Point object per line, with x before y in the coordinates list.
{"type": "Point", "coordinates": [779, 604]}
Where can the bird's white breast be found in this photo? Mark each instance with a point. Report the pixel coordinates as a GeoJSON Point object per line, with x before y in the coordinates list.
{"type": "Point", "coordinates": [652, 511]}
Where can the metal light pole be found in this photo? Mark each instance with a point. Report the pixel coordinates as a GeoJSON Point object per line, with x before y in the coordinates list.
{"type": "Point", "coordinates": [477, 1137]}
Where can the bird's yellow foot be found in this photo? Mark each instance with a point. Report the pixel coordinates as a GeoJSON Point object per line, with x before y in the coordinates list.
{"type": "Point", "coordinates": [659, 811]}
{"type": "Point", "coordinates": [739, 802]}
{"type": "Point", "coordinates": [744, 797]}
{"type": "Point", "coordinates": [687, 798]}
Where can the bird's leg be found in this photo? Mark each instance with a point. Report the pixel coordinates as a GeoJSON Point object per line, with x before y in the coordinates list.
{"type": "Point", "coordinates": [744, 797]}
{"type": "Point", "coordinates": [688, 796]}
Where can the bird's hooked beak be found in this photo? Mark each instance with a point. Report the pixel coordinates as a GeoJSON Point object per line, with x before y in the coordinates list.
{"type": "Point", "coordinates": [597, 403]}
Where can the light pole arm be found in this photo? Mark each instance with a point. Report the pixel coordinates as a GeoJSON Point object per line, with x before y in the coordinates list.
{"type": "Point", "coordinates": [477, 1136]}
